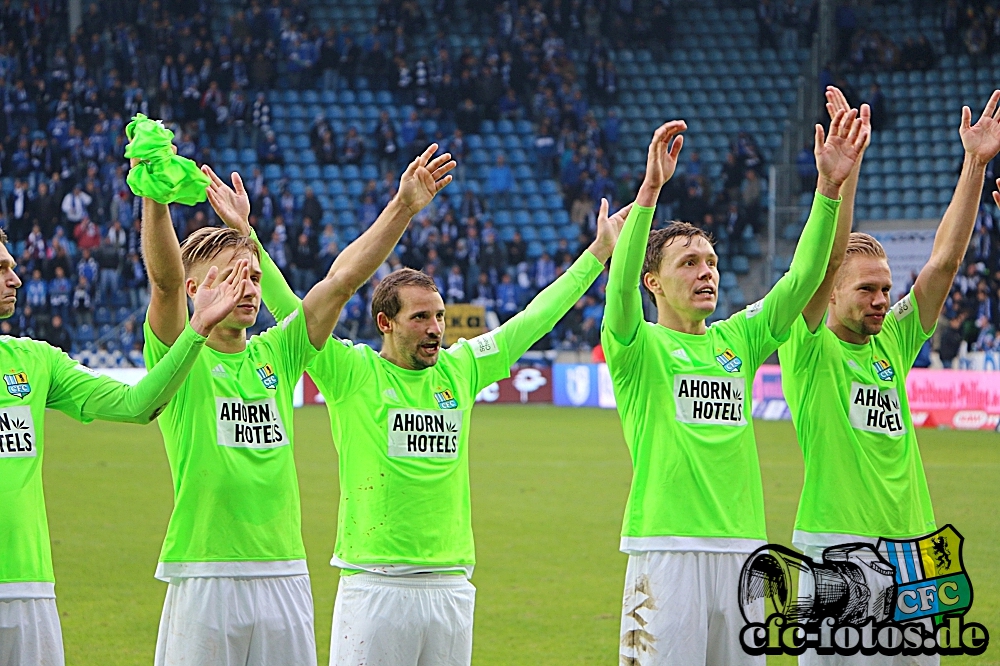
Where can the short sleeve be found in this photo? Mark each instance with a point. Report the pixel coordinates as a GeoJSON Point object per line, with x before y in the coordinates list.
{"type": "Point", "coordinates": [339, 370]}
{"type": "Point", "coordinates": [904, 329]}
{"type": "Point", "coordinates": [71, 385]}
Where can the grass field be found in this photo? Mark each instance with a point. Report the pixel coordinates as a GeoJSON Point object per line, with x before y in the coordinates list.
{"type": "Point", "coordinates": [548, 485]}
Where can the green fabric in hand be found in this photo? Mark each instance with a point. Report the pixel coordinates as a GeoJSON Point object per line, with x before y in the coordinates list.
{"type": "Point", "coordinates": [161, 175]}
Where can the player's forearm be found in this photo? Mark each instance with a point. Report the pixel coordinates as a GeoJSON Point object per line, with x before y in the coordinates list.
{"type": "Point", "coordinates": [114, 401]}
{"type": "Point", "coordinates": [623, 312]}
{"type": "Point", "coordinates": [359, 260]}
{"type": "Point", "coordinates": [274, 290]}
{"type": "Point", "coordinates": [160, 249]}
{"type": "Point", "coordinates": [812, 254]}
{"type": "Point", "coordinates": [955, 231]}
{"type": "Point", "coordinates": [550, 305]}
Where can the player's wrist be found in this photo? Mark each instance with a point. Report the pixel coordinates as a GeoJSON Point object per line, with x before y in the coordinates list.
{"type": "Point", "coordinates": [200, 326]}
{"type": "Point", "coordinates": [975, 161]}
{"type": "Point", "coordinates": [648, 194]}
{"type": "Point", "coordinates": [600, 250]}
{"type": "Point", "coordinates": [828, 187]}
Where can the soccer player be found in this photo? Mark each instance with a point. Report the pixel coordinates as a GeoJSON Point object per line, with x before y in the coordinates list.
{"type": "Point", "coordinates": [38, 376]}
{"type": "Point", "coordinates": [233, 555]}
{"type": "Point", "coordinates": [696, 507]}
{"type": "Point", "coordinates": [400, 421]}
{"type": "Point", "coordinates": [844, 376]}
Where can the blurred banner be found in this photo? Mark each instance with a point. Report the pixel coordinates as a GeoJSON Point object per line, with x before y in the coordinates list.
{"type": "Point", "coordinates": [463, 321]}
{"type": "Point", "coordinates": [968, 400]}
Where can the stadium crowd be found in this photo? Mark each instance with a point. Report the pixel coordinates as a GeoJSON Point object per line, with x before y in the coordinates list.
{"type": "Point", "coordinates": [75, 225]}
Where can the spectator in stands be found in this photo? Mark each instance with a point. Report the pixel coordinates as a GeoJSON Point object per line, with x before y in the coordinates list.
{"type": "Point", "coordinates": [500, 181]}
{"type": "Point", "coordinates": [354, 147]}
{"type": "Point", "coordinates": [303, 265]}
{"type": "Point", "coordinates": [135, 280]}
{"type": "Point", "coordinates": [74, 205]}
{"type": "Point", "coordinates": [751, 196]}
{"type": "Point", "coordinates": [951, 340]}
{"type": "Point", "coordinates": [82, 303]}
{"type": "Point", "coordinates": [268, 151]}
{"type": "Point", "coordinates": [57, 335]}
{"type": "Point", "coordinates": [311, 206]}
{"type": "Point", "coordinates": [880, 111]}
{"type": "Point", "coordinates": [976, 41]}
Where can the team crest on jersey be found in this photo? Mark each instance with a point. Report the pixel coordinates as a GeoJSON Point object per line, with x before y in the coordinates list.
{"type": "Point", "coordinates": [267, 376]}
{"type": "Point", "coordinates": [446, 399]}
{"type": "Point", "coordinates": [729, 361]}
{"type": "Point", "coordinates": [884, 370]}
{"type": "Point", "coordinates": [17, 384]}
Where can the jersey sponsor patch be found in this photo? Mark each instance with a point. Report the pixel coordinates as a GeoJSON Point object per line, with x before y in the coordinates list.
{"type": "Point", "coordinates": [903, 308]}
{"type": "Point", "coordinates": [17, 384]}
{"type": "Point", "coordinates": [876, 410]}
{"type": "Point", "coordinates": [250, 425]}
{"type": "Point", "coordinates": [755, 309]}
{"type": "Point", "coordinates": [484, 345]}
{"type": "Point", "coordinates": [17, 433]}
{"type": "Point", "coordinates": [424, 433]}
{"type": "Point", "coordinates": [710, 400]}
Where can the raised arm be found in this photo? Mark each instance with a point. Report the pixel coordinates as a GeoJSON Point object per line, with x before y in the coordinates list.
{"type": "Point", "coordinates": [162, 254]}
{"type": "Point", "coordinates": [623, 311]}
{"type": "Point", "coordinates": [982, 143]}
{"type": "Point", "coordinates": [421, 181]}
{"type": "Point", "coordinates": [552, 303]}
{"type": "Point", "coordinates": [836, 155]}
{"type": "Point", "coordinates": [814, 312]}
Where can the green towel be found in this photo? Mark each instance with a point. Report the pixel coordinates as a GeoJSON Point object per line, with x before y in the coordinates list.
{"type": "Point", "coordinates": [161, 175]}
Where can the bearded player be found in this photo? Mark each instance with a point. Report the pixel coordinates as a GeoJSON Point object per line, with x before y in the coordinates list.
{"type": "Point", "coordinates": [844, 376]}
{"type": "Point", "coordinates": [400, 420]}
{"type": "Point", "coordinates": [233, 555]}
{"type": "Point", "coordinates": [696, 506]}
{"type": "Point", "coordinates": [37, 377]}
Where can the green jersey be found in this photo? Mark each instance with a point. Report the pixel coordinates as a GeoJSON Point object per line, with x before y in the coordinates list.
{"type": "Point", "coordinates": [863, 473]}
{"type": "Point", "coordinates": [402, 436]}
{"type": "Point", "coordinates": [685, 400]}
{"type": "Point", "coordinates": [38, 376]}
{"type": "Point", "coordinates": [229, 439]}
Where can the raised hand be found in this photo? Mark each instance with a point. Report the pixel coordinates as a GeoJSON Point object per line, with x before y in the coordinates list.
{"type": "Point", "coordinates": [835, 101]}
{"type": "Point", "coordinates": [424, 178]}
{"type": "Point", "coordinates": [982, 140]}
{"type": "Point", "coordinates": [661, 159]}
{"type": "Point", "coordinates": [837, 153]}
{"type": "Point", "coordinates": [212, 304]}
{"type": "Point", "coordinates": [608, 230]}
{"type": "Point", "coordinates": [231, 205]}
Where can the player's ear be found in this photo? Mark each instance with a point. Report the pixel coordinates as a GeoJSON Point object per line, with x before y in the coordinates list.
{"type": "Point", "coordinates": [384, 323]}
{"type": "Point", "coordinates": [652, 283]}
{"type": "Point", "coordinates": [190, 287]}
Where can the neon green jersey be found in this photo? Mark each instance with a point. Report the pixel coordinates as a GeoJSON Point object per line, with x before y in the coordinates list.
{"type": "Point", "coordinates": [229, 439]}
{"type": "Point", "coordinates": [402, 436]}
{"type": "Point", "coordinates": [863, 473]}
{"type": "Point", "coordinates": [38, 376]}
{"type": "Point", "coordinates": [685, 400]}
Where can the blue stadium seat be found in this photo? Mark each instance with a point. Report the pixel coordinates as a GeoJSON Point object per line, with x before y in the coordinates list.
{"type": "Point", "coordinates": [331, 171]}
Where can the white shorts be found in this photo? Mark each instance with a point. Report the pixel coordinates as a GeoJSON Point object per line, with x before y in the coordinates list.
{"type": "Point", "coordinates": [811, 658]}
{"type": "Point", "coordinates": [682, 609]}
{"type": "Point", "coordinates": [420, 620]}
{"type": "Point", "coordinates": [237, 621]}
{"type": "Point", "coordinates": [30, 634]}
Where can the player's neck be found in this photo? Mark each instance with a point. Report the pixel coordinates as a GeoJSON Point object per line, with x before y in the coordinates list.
{"type": "Point", "coordinates": [391, 354]}
{"type": "Point", "coordinates": [227, 340]}
{"type": "Point", "coordinates": [844, 333]}
{"type": "Point", "coordinates": [676, 321]}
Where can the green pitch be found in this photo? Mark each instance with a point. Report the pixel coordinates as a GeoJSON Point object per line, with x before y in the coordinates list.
{"type": "Point", "coordinates": [548, 485]}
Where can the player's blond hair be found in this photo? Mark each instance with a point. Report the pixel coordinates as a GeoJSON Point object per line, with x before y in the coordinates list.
{"type": "Point", "coordinates": [3, 237]}
{"type": "Point", "coordinates": [207, 243]}
{"type": "Point", "coordinates": [862, 245]}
